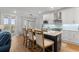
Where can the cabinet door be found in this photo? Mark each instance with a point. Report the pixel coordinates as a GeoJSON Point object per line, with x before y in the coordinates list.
{"type": "Point", "coordinates": [67, 35]}
{"type": "Point", "coordinates": [68, 16]}
{"type": "Point", "coordinates": [71, 36]}
{"type": "Point", "coordinates": [49, 17]}
{"type": "Point", "coordinates": [76, 38]}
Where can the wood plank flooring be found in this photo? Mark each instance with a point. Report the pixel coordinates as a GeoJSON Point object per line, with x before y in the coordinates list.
{"type": "Point", "coordinates": [17, 45]}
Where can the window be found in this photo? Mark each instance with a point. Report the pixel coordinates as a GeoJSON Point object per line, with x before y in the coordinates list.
{"type": "Point", "coordinates": [9, 21]}
{"type": "Point", "coordinates": [6, 20]}
{"type": "Point", "coordinates": [9, 24]}
{"type": "Point", "coordinates": [13, 21]}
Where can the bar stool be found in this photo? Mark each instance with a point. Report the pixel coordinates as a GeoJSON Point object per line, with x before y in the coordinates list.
{"type": "Point", "coordinates": [31, 38]}
{"type": "Point", "coordinates": [41, 41]}
{"type": "Point", "coordinates": [25, 36]}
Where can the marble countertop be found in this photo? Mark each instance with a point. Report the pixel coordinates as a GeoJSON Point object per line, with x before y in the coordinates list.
{"type": "Point", "coordinates": [53, 33]}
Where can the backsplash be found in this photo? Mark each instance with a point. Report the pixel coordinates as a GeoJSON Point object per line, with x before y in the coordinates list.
{"type": "Point", "coordinates": [73, 27]}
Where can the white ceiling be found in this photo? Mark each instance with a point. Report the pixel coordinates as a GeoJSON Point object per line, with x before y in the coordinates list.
{"type": "Point", "coordinates": [24, 9]}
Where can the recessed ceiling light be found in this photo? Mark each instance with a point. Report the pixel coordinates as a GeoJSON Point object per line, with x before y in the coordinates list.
{"type": "Point", "coordinates": [39, 12]}
{"type": "Point", "coordinates": [52, 7]}
{"type": "Point", "coordinates": [14, 11]}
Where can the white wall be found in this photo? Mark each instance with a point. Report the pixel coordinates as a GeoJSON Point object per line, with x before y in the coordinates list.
{"type": "Point", "coordinates": [19, 24]}
{"type": "Point", "coordinates": [36, 21]}
{"type": "Point", "coordinates": [39, 21]}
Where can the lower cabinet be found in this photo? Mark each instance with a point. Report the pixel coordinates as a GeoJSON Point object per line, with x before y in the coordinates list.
{"type": "Point", "coordinates": [76, 38]}
{"type": "Point", "coordinates": [71, 36]}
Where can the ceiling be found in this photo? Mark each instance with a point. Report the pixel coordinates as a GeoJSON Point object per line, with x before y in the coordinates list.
{"type": "Point", "coordinates": [25, 10]}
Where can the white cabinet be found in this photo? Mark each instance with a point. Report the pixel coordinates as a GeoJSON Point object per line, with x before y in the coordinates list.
{"type": "Point", "coordinates": [76, 38]}
{"type": "Point", "coordinates": [68, 16]}
{"type": "Point", "coordinates": [67, 35]}
{"type": "Point", "coordinates": [77, 15]}
{"type": "Point", "coordinates": [71, 36]}
{"type": "Point", "coordinates": [49, 17]}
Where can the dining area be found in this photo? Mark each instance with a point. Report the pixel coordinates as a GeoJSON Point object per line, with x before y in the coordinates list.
{"type": "Point", "coordinates": [39, 29]}
{"type": "Point", "coordinates": [34, 30]}
{"type": "Point", "coordinates": [43, 40]}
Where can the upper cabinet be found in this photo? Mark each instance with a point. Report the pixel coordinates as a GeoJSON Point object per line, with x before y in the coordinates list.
{"type": "Point", "coordinates": [69, 15]}
{"type": "Point", "coordinates": [49, 18]}
{"type": "Point", "coordinates": [77, 15]}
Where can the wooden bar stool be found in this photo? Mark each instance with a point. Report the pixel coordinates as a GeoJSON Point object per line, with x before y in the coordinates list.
{"type": "Point", "coordinates": [41, 41]}
{"type": "Point", "coordinates": [31, 38]}
{"type": "Point", "coordinates": [25, 36]}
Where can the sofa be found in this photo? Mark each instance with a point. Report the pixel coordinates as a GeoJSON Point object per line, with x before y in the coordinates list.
{"type": "Point", "coordinates": [5, 41]}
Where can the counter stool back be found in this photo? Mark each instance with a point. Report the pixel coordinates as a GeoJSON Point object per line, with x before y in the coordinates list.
{"type": "Point", "coordinates": [31, 37]}
{"type": "Point", "coordinates": [41, 41]}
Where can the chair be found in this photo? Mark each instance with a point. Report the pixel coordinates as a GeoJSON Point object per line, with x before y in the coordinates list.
{"type": "Point", "coordinates": [5, 41]}
{"type": "Point", "coordinates": [25, 36]}
{"type": "Point", "coordinates": [41, 41]}
{"type": "Point", "coordinates": [31, 38]}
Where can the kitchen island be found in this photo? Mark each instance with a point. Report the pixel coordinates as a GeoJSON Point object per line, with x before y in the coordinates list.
{"type": "Point", "coordinates": [56, 37]}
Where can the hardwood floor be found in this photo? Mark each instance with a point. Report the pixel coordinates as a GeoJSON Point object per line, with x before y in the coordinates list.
{"type": "Point", "coordinates": [69, 47]}
{"type": "Point", "coordinates": [17, 45]}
